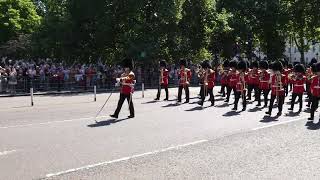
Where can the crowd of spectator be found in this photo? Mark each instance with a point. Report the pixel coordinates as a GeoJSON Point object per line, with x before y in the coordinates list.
{"type": "Point", "coordinates": [48, 75]}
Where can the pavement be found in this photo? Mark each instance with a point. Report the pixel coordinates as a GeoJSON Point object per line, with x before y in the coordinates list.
{"type": "Point", "coordinates": [58, 138]}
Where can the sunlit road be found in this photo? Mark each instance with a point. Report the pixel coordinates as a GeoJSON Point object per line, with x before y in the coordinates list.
{"type": "Point", "coordinates": [59, 139]}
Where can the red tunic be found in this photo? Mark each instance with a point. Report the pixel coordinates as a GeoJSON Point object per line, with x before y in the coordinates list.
{"type": "Point", "coordinates": [165, 77]}
{"type": "Point", "coordinates": [253, 77]}
{"type": "Point", "coordinates": [127, 82]}
{"type": "Point", "coordinates": [277, 89]}
{"type": "Point", "coordinates": [315, 86]}
{"type": "Point", "coordinates": [264, 80]}
{"type": "Point", "coordinates": [298, 85]}
{"type": "Point", "coordinates": [224, 78]}
{"type": "Point", "coordinates": [185, 77]}
{"type": "Point", "coordinates": [233, 79]}
{"type": "Point", "coordinates": [286, 73]}
{"type": "Point", "coordinates": [211, 79]}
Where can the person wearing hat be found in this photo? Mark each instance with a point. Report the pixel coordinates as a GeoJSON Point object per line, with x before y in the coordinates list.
{"type": "Point", "coordinates": [311, 71]}
{"type": "Point", "coordinates": [315, 91]}
{"type": "Point", "coordinates": [241, 85]}
{"type": "Point", "coordinates": [290, 71]}
{"type": "Point", "coordinates": [207, 78]}
{"type": "Point", "coordinates": [127, 81]}
{"type": "Point", "coordinates": [232, 79]}
{"type": "Point", "coordinates": [264, 86]}
{"type": "Point", "coordinates": [163, 80]}
{"type": "Point", "coordinates": [184, 75]}
{"type": "Point", "coordinates": [286, 73]}
{"type": "Point", "coordinates": [298, 80]}
{"type": "Point", "coordinates": [253, 80]}
{"type": "Point", "coordinates": [277, 87]}
{"type": "Point", "coordinates": [224, 77]}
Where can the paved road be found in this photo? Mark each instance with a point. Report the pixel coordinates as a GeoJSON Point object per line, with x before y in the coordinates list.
{"type": "Point", "coordinates": [58, 139]}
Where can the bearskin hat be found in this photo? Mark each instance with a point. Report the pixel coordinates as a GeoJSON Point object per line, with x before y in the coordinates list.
{"type": "Point", "coordinates": [233, 64]}
{"type": "Point", "coordinates": [290, 66]}
{"type": "Point", "coordinates": [299, 68]}
{"type": "Point", "coordinates": [226, 63]}
{"type": "Point", "coordinates": [127, 63]}
{"type": "Point", "coordinates": [314, 68]}
{"type": "Point", "coordinates": [205, 64]}
{"type": "Point", "coordinates": [317, 67]}
{"type": "Point", "coordinates": [254, 64]}
{"type": "Point", "coordinates": [163, 63]}
{"type": "Point", "coordinates": [242, 65]}
{"type": "Point", "coordinates": [313, 61]}
{"type": "Point", "coordinates": [264, 65]}
{"type": "Point", "coordinates": [277, 66]}
{"type": "Point", "coordinates": [183, 62]}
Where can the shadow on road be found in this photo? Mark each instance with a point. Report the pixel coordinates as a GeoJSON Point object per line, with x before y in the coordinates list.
{"type": "Point", "coordinates": [150, 102]}
{"type": "Point", "coordinates": [268, 119]}
{"type": "Point", "coordinates": [106, 123]}
{"type": "Point", "coordinates": [256, 109]}
{"type": "Point", "coordinates": [231, 113]}
{"type": "Point", "coordinates": [311, 126]}
{"type": "Point", "coordinates": [198, 108]}
{"type": "Point", "coordinates": [172, 105]}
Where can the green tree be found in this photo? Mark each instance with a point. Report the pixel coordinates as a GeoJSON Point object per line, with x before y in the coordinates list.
{"type": "Point", "coordinates": [17, 17]}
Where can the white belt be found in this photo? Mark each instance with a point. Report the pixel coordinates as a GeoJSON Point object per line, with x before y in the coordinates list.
{"type": "Point", "coordinates": [264, 81]}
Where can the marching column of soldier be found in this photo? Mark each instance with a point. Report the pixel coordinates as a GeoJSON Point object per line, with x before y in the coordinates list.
{"type": "Point", "coordinates": [241, 78]}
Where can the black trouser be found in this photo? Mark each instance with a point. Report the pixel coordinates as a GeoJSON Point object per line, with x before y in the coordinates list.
{"type": "Point", "coordinates": [239, 95]}
{"type": "Point", "coordinates": [186, 90]}
{"type": "Point", "coordinates": [223, 89]}
{"type": "Point", "coordinates": [204, 93]}
{"type": "Point", "coordinates": [286, 89]}
{"type": "Point", "coordinates": [250, 88]}
{"type": "Point", "coordinates": [291, 86]}
{"type": "Point", "coordinates": [121, 101]}
{"type": "Point", "coordinates": [265, 96]}
{"type": "Point", "coordinates": [280, 103]}
{"type": "Point", "coordinates": [229, 89]}
{"type": "Point", "coordinates": [314, 106]}
{"type": "Point", "coordinates": [294, 96]}
{"type": "Point", "coordinates": [165, 87]}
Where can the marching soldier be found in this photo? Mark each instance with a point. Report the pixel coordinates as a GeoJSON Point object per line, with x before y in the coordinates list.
{"type": "Point", "coordinates": [207, 76]}
{"type": "Point", "coordinates": [232, 79]}
{"type": "Point", "coordinates": [286, 73]}
{"type": "Point", "coordinates": [264, 86]}
{"type": "Point", "coordinates": [290, 71]}
{"type": "Point", "coordinates": [277, 87]}
{"type": "Point", "coordinates": [298, 80]}
{"type": "Point", "coordinates": [127, 81]}
{"type": "Point", "coordinates": [309, 75]}
{"type": "Point", "coordinates": [253, 80]}
{"type": "Point", "coordinates": [241, 80]}
{"type": "Point", "coordinates": [315, 91]}
{"type": "Point", "coordinates": [224, 77]}
{"type": "Point", "coordinates": [163, 80]}
{"type": "Point", "coordinates": [184, 80]}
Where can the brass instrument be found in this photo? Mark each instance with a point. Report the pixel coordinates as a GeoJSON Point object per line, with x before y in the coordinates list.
{"type": "Point", "coordinates": [278, 85]}
{"type": "Point", "coordinates": [161, 77]}
{"type": "Point", "coordinates": [220, 69]}
{"type": "Point", "coordinates": [243, 82]}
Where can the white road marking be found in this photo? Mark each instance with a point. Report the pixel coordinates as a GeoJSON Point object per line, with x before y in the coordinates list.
{"type": "Point", "coordinates": [277, 124]}
{"type": "Point", "coordinates": [52, 122]}
{"type": "Point", "coordinates": [125, 158]}
{"type": "Point", "coordinates": [7, 152]}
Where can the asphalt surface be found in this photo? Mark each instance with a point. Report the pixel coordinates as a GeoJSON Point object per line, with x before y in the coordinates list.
{"type": "Point", "coordinates": [58, 138]}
